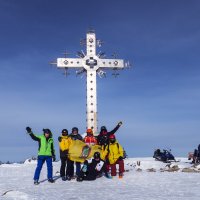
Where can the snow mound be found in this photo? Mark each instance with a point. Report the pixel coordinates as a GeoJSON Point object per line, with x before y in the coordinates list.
{"type": "Point", "coordinates": [32, 160]}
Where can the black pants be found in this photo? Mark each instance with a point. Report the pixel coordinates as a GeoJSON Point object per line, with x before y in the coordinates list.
{"type": "Point", "coordinates": [91, 174]}
{"type": "Point", "coordinates": [88, 176]}
{"type": "Point", "coordinates": [64, 166]}
{"type": "Point", "coordinates": [70, 168]}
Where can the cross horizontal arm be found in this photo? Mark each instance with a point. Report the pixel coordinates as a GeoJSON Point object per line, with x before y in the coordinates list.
{"type": "Point", "coordinates": [69, 62]}
{"type": "Point", "coordinates": [111, 63]}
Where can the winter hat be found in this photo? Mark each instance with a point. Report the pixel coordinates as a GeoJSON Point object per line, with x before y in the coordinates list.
{"type": "Point", "coordinates": [74, 129]}
{"type": "Point", "coordinates": [103, 128]}
{"type": "Point", "coordinates": [47, 131]}
{"type": "Point", "coordinates": [64, 132]}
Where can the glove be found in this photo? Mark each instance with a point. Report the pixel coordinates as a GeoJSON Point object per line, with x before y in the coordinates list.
{"type": "Point", "coordinates": [120, 123]}
{"type": "Point", "coordinates": [59, 139]}
{"type": "Point", "coordinates": [65, 152]}
{"type": "Point", "coordinates": [120, 158]}
{"type": "Point", "coordinates": [84, 168]}
{"type": "Point", "coordinates": [28, 129]}
{"type": "Point", "coordinates": [53, 158]}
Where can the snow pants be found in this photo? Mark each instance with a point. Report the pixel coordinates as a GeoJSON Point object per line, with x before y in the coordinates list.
{"type": "Point", "coordinates": [41, 160]}
{"type": "Point", "coordinates": [113, 167]}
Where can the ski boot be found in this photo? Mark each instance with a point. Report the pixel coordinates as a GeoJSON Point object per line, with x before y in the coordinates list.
{"type": "Point", "coordinates": [51, 180]}
{"type": "Point", "coordinates": [36, 182]}
{"type": "Point", "coordinates": [68, 178]}
{"type": "Point", "coordinates": [79, 179]}
{"type": "Point", "coordinates": [64, 178]}
{"type": "Point", "coordinates": [120, 175]}
{"type": "Point", "coordinates": [107, 175]}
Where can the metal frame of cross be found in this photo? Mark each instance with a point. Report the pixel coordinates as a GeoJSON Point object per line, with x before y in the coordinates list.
{"type": "Point", "coordinates": [92, 64]}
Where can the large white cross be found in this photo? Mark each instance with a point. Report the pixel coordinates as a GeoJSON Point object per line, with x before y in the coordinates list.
{"type": "Point", "coordinates": [91, 63]}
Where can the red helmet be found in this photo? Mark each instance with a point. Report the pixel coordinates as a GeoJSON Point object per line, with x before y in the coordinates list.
{"type": "Point", "coordinates": [112, 136]}
{"type": "Point", "coordinates": [89, 130]}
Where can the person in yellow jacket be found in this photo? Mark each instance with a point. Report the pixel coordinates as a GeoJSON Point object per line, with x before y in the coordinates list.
{"type": "Point", "coordinates": [64, 143]}
{"type": "Point", "coordinates": [114, 153]}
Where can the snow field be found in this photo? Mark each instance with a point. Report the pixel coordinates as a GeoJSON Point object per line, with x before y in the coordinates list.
{"type": "Point", "coordinates": [17, 179]}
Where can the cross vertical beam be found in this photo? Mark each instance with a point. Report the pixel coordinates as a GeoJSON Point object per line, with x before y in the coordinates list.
{"type": "Point", "coordinates": [91, 100]}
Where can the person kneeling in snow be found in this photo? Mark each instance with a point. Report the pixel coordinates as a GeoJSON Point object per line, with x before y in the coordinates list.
{"type": "Point", "coordinates": [115, 154]}
{"type": "Point", "coordinates": [92, 168]}
{"type": "Point", "coordinates": [46, 153]}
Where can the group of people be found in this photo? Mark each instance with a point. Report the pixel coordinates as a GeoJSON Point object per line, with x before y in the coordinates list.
{"type": "Point", "coordinates": [110, 155]}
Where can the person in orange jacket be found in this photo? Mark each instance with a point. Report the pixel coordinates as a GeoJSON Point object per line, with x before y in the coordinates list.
{"type": "Point", "coordinates": [89, 138]}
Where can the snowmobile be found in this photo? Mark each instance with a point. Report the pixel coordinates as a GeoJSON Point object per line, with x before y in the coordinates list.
{"type": "Point", "coordinates": [164, 156]}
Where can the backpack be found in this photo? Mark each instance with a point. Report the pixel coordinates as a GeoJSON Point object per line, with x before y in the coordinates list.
{"type": "Point", "coordinates": [124, 152]}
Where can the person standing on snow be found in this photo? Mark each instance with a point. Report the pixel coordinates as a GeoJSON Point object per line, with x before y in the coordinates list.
{"type": "Point", "coordinates": [92, 168]}
{"type": "Point", "coordinates": [64, 142]}
{"type": "Point", "coordinates": [74, 136]}
{"type": "Point", "coordinates": [103, 137]}
{"type": "Point", "coordinates": [46, 153]}
{"type": "Point", "coordinates": [89, 138]}
{"type": "Point", "coordinates": [114, 153]}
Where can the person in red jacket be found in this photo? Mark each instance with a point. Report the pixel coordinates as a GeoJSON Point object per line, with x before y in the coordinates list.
{"type": "Point", "coordinates": [89, 138]}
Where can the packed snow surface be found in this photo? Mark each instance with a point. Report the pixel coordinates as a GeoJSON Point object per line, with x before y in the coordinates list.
{"type": "Point", "coordinates": [146, 179]}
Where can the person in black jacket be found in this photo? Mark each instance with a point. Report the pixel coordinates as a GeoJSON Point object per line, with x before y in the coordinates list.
{"type": "Point", "coordinates": [103, 137]}
{"type": "Point", "coordinates": [70, 165]}
{"type": "Point", "coordinates": [92, 169]}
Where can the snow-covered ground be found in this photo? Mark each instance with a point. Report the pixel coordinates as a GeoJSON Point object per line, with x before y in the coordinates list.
{"type": "Point", "coordinates": [145, 180]}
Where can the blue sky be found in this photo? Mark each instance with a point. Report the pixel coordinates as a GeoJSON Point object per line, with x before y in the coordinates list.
{"type": "Point", "coordinates": [158, 100]}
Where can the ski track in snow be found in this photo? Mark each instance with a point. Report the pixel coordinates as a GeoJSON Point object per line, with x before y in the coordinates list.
{"type": "Point", "coordinates": [17, 180]}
